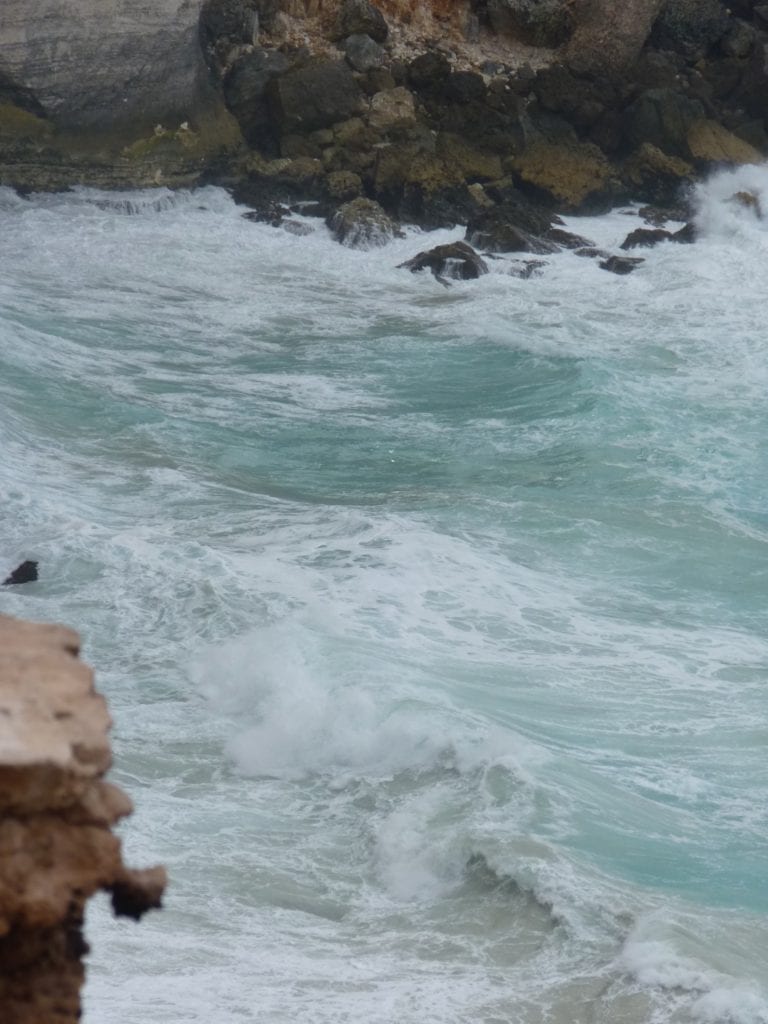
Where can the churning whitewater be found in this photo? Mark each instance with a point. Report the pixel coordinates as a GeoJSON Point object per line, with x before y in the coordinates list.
{"type": "Point", "coordinates": [432, 619]}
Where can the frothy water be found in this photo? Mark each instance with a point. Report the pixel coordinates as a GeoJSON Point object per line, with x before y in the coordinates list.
{"type": "Point", "coordinates": [432, 620]}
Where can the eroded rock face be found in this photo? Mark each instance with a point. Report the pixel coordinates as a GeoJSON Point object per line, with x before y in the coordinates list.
{"type": "Point", "coordinates": [97, 62]}
{"type": "Point", "coordinates": [56, 813]}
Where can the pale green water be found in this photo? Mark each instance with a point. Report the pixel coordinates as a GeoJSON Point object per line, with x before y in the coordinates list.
{"type": "Point", "coordinates": [432, 621]}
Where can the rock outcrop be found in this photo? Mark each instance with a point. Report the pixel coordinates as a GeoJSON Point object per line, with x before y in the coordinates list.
{"type": "Point", "coordinates": [56, 813]}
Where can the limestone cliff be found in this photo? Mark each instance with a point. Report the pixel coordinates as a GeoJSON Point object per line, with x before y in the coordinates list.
{"type": "Point", "coordinates": [56, 813]}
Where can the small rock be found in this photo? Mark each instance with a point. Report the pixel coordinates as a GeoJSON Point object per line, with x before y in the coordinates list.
{"type": "Point", "coordinates": [591, 252]}
{"type": "Point", "coordinates": [360, 17]}
{"type": "Point", "coordinates": [363, 53]}
{"type": "Point", "coordinates": [456, 259]}
{"type": "Point", "coordinates": [749, 201]}
{"type": "Point", "coordinates": [362, 224]}
{"type": "Point", "coordinates": [621, 264]}
{"type": "Point", "coordinates": [567, 239]}
{"type": "Point", "coordinates": [297, 227]}
{"type": "Point", "coordinates": [645, 238]}
{"type": "Point", "coordinates": [343, 185]}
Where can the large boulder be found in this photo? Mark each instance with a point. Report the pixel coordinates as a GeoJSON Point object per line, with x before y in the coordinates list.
{"type": "Point", "coordinates": [362, 224]}
{"type": "Point", "coordinates": [576, 175]}
{"type": "Point", "coordinates": [363, 53]}
{"type": "Point", "coordinates": [392, 110]}
{"type": "Point", "coordinates": [360, 17]}
{"type": "Point", "coordinates": [656, 177]}
{"type": "Point", "coordinates": [691, 27]}
{"type": "Point", "coordinates": [108, 63]}
{"type": "Point", "coordinates": [662, 117]}
{"type": "Point", "coordinates": [314, 95]}
{"type": "Point", "coordinates": [709, 142]}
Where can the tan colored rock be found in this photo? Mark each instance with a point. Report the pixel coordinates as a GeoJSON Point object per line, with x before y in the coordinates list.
{"type": "Point", "coordinates": [708, 140]}
{"type": "Point", "coordinates": [56, 812]}
{"type": "Point", "coordinates": [392, 109]}
{"type": "Point", "coordinates": [570, 172]}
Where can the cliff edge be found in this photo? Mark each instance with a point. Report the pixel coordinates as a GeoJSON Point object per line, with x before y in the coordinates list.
{"type": "Point", "coordinates": [56, 813]}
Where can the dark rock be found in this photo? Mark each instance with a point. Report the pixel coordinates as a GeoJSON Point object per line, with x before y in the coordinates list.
{"type": "Point", "coordinates": [363, 53]}
{"type": "Point", "coordinates": [687, 234]}
{"type": "Point", "coordinates": [621, 264]}
{"type": "Point", "coordinates": [315, 95]}
{"type": "Point", "coordinates": [525, 269]}
{"type": "Point", "coordinates": [342, 186]}
{"type": "Point", "coordinates": [592, 252]}
{"type": "Point", "coordinates": [362, 224]}
{"type": "Point", "coordinates": [538, 22]}
{"type": "Point", "coordinates": [464, 87]}
{"type": "Point", "coordinates": [24, 573]}
{"type": "Point", "coordinates": [360, 17]}
{"type": "Point", "coordinates": [582, 102]}
{"type": "Point", "coordinates": [662, 118]}
{"type": "Point", "coordinates": [659, 215]}
{"type": "Point", "coordinates": [761, 15]}
{"type": "Point", "coordinates": [224, 24]}
{"type": "Point", "coordinates": [429, 71]}
{"type": "Point", "coordinates": [378, 79]}
{"type": "Point", "coordinates": [691, 27]}
{"type": "Point", "coordinates": [19, 96]}
{"type": "Point", "coordinates": [245, 88]}
{"type": "Point", "coordinates": [656, 177]}
{"type": "Point", "coordinates": [738, 42]}
{"type": "Point", "coordinates": [456, 259]}
{"type": "Point", "coordinates": [270, 213]}
{"type": "Point", "coordinates": [752, 93]}
{"type": "Point", "coordinates": [567, 239]}
{"type": "Point", "coordinates": [515, 226]}
{"type": "Point", "coordinates": [645, 238]}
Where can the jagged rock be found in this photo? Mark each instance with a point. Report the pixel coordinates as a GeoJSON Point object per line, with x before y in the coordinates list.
{"type": "Point", "coordinates": [621, 264]}
{"type": "Point", "coordinates": [362, 224]}
{"type": "Point", "coordinates": [687, 234]}
{"type": "Point", "coordinates": [341, 186]}
{"type": "Point", "coordinates": [512, 227]}
{"type": "Point", "coordinates": [525, 269]}
{"type": "Point", "coordinates": [710, 142]}
{"type": "Point", "coordinates": [314, 95]}
{"type": "Point", "coordinates": [538, 22]}
{"type": "Point", "coordinates": [271, 213]}
{"type": "Point", "coordinates": [592, 252]}
{"type": "Point", "coordinates": [24, 573]}
{"type": "Point", "coordinates": [56, 813]}
{"type": "Point", "coordinates": [363, 53]}
{"type": "Point", "coordinates": [690, 26]}
{"type": "Point", "coordinates": [392, 110]}
{"type": "Point", "coordinates": [245, 91]}
{"type": "Point", "coordinates": [456, 259]}
{"type": "Point", "coordinates": [659, 215]}
{"type": "Point", "coordinates": [360, 17]}
{"type": "Point", "coordinates": [226, 25]}
{"type": "Point", "coordinates": [662, 118]}
{"type": "Point", "coordinates": [465, 87]}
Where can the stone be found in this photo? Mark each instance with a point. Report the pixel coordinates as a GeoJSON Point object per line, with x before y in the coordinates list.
{"type": "Point", "coordinates": [645, 238]}
{"type": "Point", "coordinates": [429, 71]}
{"type": "Point", "coordinates": [341, 186]}
{"type": "Point", "coordinates": [465, 87]}
{"type": "Point", "coordinates": [656, 177]}
{"type": "Point", "coordinates": [106, 63]}
{"type": "Point", "coordinates": [575, 175]}
{"type": "Point", "coordinates": [662, 118]}
{"type": "Point", "coordinates": [363, 53]}
{"type": "Point", "coordinates": [738, 42]}
{"type": "Point", "coordinates": [691, 27]}
{"type": "Point", "coordinates": [314, 95]}
{"type": "Point", "coordinates": [57, 848]}
{"type": "Point", "coordinates": [360, 17]}
{"type": "Point", "coordinates": [538, 22]}
{"type": "Point", "coordinates": [567, 239]}
{"type": "Point", "coordinates": [748, 201]}
{"type": "Point", "coordinates": [392, 110]}
{"type": "Point", "coordinates": [24, 573]}
{"type": "Point", "coordinates": [362, 224]}
{"type": "Point", "coordinates": [512, 226]}
{"type": "Point", "coordinates": [711, 142]}
{"type": "Point", "coordinates": [245, 90]}
{"type": "Point", "coordinates": [621, 264]}
{"type": "Point", "coordinates": [455, 259]}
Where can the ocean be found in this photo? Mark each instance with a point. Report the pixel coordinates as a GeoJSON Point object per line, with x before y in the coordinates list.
{"type": "Point", "coordinates": [432, 620]}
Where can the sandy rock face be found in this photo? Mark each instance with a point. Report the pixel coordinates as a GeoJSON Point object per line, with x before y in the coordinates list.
{"type": "Point", "coordinates": [100, 62]}
{"type": "Point", "coordinates": [56, 812]}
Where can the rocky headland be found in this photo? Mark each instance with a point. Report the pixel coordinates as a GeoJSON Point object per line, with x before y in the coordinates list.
{"type": "Point", "coordinates": [497, 114]}
{"type": "Point", "coordinates": [56, 813]}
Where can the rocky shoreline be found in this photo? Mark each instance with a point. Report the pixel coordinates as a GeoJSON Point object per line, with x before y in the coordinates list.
{"type": "Point", "coordinates": [498, 114]}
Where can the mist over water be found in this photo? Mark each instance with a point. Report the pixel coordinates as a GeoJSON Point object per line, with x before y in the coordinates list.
{"type": "Point", "coordinates": [432, 620]}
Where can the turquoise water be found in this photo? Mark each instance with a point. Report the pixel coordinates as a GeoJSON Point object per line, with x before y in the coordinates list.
{"type": "Point", "coordinates": [432, 620]}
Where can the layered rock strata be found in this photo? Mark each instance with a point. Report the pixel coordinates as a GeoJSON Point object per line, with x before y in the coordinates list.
{"type": "Point", "coordinates": [56, 813]}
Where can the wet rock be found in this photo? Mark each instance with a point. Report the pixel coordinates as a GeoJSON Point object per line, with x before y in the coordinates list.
{"type": "Point", "coordinates": [456, 259]}
{"type": "Point", "coordinates": [363, 53]}
{"type": "Point", "coordinates": [341, 186]}
{"type": "Point", "coordinates": [362, 224]}
{"type": "Point", "coordinates": [567, 239]}
{"type": "Point", "coordinates": [514, 226]}
{"type": "Point", "coordinates": [621, 264]}
{"type": "Point", "coordinates": [656, 177]}
{"type": "Point", "coordinates": [687, 234]}
{"type": "Point", "coordinates": [659, 215]}
{"type": "Point", "coordinates": [465, 87]}
{"type": "Point", "coordinates": [24, 573]}
{"type": "Point", "coordinates": [315, 95]}
{"type": "Point", "coordinates": [592, 252]}
{"type": "Point", "coordinates": [360, 17]}
{"type": "Point", "coordinates": [747, 200]}
{"type": "Point", "coordinates": [270, 213]}
{"type": "Point", "coordinates": [645, 238]}
{"type": "Point", "coordinates": [297, 227]}
{"type": "Point", "coordinates": [227, 24]}
{"type": "Point", "coordinates": [525, 269]}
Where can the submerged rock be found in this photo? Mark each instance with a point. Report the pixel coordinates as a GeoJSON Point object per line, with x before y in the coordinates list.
{"type": "Point", "coordinates": [621, 264]}
{"type": "Point", "coordinates": [513, 226]}
{"type": "Point", "coordinates": [362, 224]}
{"type": "Point", "coordinates": [455, 259]}
{"type": "Point", "coordinates": [647, 237]}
